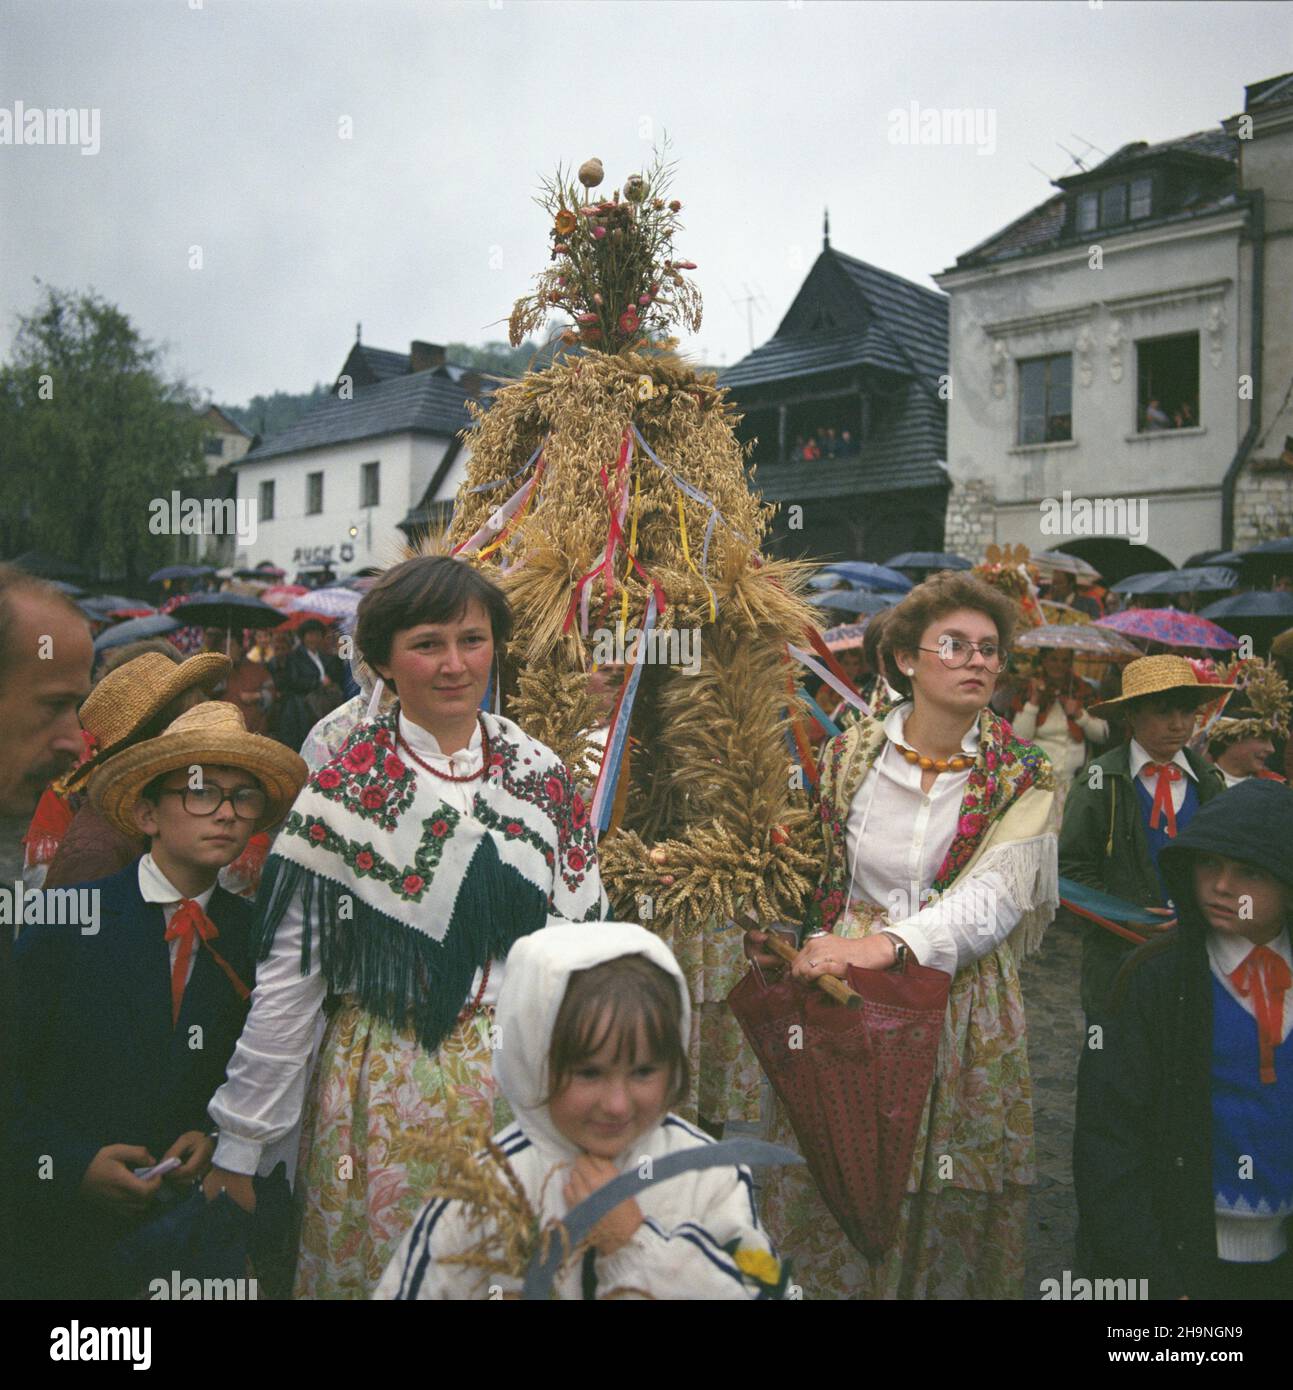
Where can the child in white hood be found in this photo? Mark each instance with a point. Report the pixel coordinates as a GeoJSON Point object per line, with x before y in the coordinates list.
{"type": "Point", "coordinates": [592, 1027]}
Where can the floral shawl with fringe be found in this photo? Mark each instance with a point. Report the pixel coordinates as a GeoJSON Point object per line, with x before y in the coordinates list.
{"type": "Point", "coordinates": [405, 896]}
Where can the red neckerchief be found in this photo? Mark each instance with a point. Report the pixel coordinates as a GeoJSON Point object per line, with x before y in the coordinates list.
{"type": "Point", "coordinates": [1264, 974]}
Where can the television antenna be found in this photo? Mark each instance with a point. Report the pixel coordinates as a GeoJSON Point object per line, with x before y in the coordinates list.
{"type": "Point", "coordinates": [751, 298]}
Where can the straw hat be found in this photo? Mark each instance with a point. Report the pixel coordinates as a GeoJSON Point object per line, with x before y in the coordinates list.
{"type": "Point", "coordinates": [1153, 675]}
{"type": "Point", "coordinates": [126, 699]}
{"type": "Point", "coordinates": [212, 733]}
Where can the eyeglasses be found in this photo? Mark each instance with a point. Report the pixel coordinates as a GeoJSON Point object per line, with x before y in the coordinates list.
{"type": "Point", "coordinates": [249, 803]}
{"type": "Point", "coordinates": [955, 652]}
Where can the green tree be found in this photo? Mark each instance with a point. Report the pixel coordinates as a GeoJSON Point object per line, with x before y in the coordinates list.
{"type": "Point", "coordinates": [92, 430]}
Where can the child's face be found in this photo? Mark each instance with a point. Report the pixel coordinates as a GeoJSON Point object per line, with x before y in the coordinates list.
{"type": "Point", "coordinates": [1240, 899]}
{"type": "Point", "coordinates": [198, 842]}
{"type": "Point", "coordinates": [606, 1105]}
{"type": "Point", "coordinates": [1162, 727]}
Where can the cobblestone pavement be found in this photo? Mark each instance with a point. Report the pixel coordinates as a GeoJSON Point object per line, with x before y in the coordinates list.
{"type": "Point", "coordinates": [1055, 1023]}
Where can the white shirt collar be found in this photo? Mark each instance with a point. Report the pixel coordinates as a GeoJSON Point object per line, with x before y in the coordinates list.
{"type": "Point", "coordinates": [155, 887]}
{"type": "Point", "coordinates": [1230, 781]}
{"type": "Point", "coordinates": [895, 729]}
{"type": "Point", "coordinates": [425, 744]}
{"type": "Point", "coordinates": [1139, 758]}
{"type": "Point", "coordinates": [1227, 950]}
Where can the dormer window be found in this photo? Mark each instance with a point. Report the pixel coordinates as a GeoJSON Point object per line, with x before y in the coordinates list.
{"type": "Point", "coordinates": [1088, 212]}
{"type": "Point", "coordinates": [1113, 205]}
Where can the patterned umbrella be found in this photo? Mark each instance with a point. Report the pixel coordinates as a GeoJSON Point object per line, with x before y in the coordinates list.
{"type": "Point", "coordinates": [327, 603]}
{"type": "Point", "coordinates": [844, 637]}
{"type": "Point", "coordinates": [1070, 564]}
{"type": "Point", "coordinates": [1169, 626]}
{"type": "Point", "coordinates": [1079, 637]}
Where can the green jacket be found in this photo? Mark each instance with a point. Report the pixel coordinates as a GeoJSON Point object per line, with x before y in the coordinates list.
{"type": "Point", "coordinates": [1103, 844]}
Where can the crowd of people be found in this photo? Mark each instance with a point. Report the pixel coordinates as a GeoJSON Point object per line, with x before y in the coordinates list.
{"type": "Point", "coordinates": [376, 901]}
{"type": "Point", "coordinates": [823, 443]}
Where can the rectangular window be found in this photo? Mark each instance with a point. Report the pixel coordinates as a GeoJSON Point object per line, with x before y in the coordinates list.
{"type": "Point", "coordinates": [214, 446]}
{"type": "Point", "coordinates": [1167, 392]}
{"type": "Point", "coordinates": [1046, 399]}
{"type": "Point", "coordinates": [1113, 205]}
{"type": "Point", "coordinates": [313, 493]}
{"type": "Point", "coordinates": [1088, 212]}
{"type": "Point", "coordinates": [370, 485]}
{"type": "Point", "coordinates": [1142, 197]}
{"type": "Point", "coordinates": [265, 511]}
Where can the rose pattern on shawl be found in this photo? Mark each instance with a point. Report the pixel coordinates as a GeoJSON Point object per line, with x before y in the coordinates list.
{"type": "Point", "coordinates": [368, 779]}
{"type": "Point", "coordinates": [408, 881]}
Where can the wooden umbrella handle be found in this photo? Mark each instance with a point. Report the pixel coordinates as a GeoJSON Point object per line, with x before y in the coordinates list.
{"type": "Point", "coordinates": [831, 984]}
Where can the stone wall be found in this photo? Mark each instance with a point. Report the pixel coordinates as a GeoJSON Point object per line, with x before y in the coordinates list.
{"type": "Point", "coordinates": [971, 518]}
{"type": "Point", "coordinates": [1263, 502]}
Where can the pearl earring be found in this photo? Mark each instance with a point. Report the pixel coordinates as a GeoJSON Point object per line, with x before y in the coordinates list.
{"type": "Point", "coordinates": [911, 670]}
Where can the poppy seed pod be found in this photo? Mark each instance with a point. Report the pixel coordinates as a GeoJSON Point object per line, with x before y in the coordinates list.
{"type": "Point", "coordinates": [591, 173]}
{"type": "Point", "coordinates": [635, 188]}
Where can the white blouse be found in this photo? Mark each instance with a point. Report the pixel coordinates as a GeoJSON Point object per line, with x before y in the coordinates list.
{"type": "Point", "coordinates": [262, 1099]}
{"type": "Point", "coordinates": [898, 837]}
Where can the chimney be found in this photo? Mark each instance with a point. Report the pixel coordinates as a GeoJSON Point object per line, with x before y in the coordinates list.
{"type": "Point", "coordinates": [471, 384]}
{"type": "Point", "coordinates": [424, 357]}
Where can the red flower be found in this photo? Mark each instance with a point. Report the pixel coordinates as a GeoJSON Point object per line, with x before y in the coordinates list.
{"type": "Point", "coordinates": [576, 860]}
{"type": "Point", "coordinates": [547, 854]}
{"type": "Point", "coordinates": [318, 833]}
{"type": "Point", "coordinates": [496, 759]}
{"type": "Point", "coordinates": [553, 787]}
{"type": "Point", "coordinates": [360, 758]}
{"type": "Point", "coordinates": [413, 884]}
{"type": "Point", "coordinates": [393, 767]}
{"type": "Point", "coordinates": [373, 798]}
{"type": "Point", "coordinates": [971, 824]}
{"type": "Point", "coordinates": [440, 829]}
{"type": "Point", "coordinates": [328, 777]}
{"type": "Point", "coordinates": [629, 321]}
{"type": "Point", "coordinates": [363, 861]}
{"type": "Point", "coordinates": [514, 827]}
{"type": "Point", "coordinates": [382, 738]}
{"type": "Point", "coordinates": [578, 812]}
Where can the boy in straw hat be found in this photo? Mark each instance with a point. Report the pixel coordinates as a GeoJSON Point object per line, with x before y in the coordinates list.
{"type": "Point", "coordinates": [1134, 800]}
{"type": "Point", "coordinates": [125, 1031]}
{"type": "Point", "coordinates": [133, 701]}
{"type": "Point", "coordinates": [1240, 744]}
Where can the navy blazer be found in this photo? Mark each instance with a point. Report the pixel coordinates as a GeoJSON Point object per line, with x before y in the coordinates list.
{"type": "Point", "coordinates": [96, 1057]}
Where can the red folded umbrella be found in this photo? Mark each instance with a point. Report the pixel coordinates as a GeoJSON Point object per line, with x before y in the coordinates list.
{"type": "Point", "coordinates": [856, 1086]}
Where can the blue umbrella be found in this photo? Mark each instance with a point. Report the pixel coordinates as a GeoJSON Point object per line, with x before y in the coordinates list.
{"type": "Point", "coordinates": [1259, 603]}
{"type": "Point", "coordinates": [135, 630]}
{"type": "Point", "coordinates": [65, 588]}
{"type": "Point", "coordinates": [1282, 546]}
{"type": "Point", "coordinates": [1177, 581]}
{"type": "Point", "coordinates": [929, 560]}
{"type": "Point", "coordinates": [227, 611]}
{"type": "Point", "coordinates": [100, 605]}
{"type": "Point", "coordinates": [180, 572]}
{"type": "Point", "coordinates": [870, 576]}
{"type": "Point", "coordinates": [854, 601]}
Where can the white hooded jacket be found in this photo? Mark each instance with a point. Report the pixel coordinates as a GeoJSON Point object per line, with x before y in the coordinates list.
{"type": "Point", "coordinates": [691, 1222]}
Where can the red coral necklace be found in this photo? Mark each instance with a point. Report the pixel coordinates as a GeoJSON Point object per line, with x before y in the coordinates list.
{"type": "Point", "coordinates": [448, 776]}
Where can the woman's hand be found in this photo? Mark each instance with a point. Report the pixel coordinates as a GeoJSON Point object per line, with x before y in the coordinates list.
{"type": "Point", "coordinates": [832, 955]}
{"type": "Point", "coordinates": [765, 960]}
{"type": "Point", "coordinates": [618, 1226]}
{"type": "Point", "coordinates": [239, 1186]}
{"type": "Point", "coordinates": [195, 1150]}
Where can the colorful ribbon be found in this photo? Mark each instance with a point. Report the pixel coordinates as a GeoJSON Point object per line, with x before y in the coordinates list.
{"type": "Point", "coordinates": [617, 736]}
{"type": "Point", "coordinates": [1264, 975]}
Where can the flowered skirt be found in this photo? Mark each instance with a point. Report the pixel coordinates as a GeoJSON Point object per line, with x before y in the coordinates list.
{"type": "Point", "coordinates": [963, 1225]}
{"type": "Point", "coordinates": [361, 1179]}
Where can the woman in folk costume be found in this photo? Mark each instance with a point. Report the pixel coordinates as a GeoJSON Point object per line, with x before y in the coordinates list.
{"type": "Point", "coordinates": [1052, 713]}
{"type": "Point", "coordinates": [407, 868]}
{"type": "Point", "coordinates": [593, 1033]}
{"type": "Point", "coordinates": [940, 842]}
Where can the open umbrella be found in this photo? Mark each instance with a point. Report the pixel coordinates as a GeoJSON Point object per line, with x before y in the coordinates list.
{"type": "Point", "coordinates": [1169, 626]}
{"type": "Point", "coordinates": [101, 605]}
{"type": "Point", "coordinates": [327, 603]}
{"type": "Point", "coordinates": [136, 630]}
{"type": "Point", "coordinates": [1087, 638]}
{"type": "Point", "coordinates": [281, 595]}
{"type": "Point", "coordinates": [1257, 603]}
{"type": "Point", "coordinates": [853, 601]}
{"type": "Point", "coordinates": [928, 560]}
{"type": "Point", "coordinates": [64, 587]}
{"type": "Point", "coordinates": [227, 611]}
{"type": "Point", "coordinates": [46, 566]}
{"type": "Point", "coordinates": [869, 576]}
{"type": "Point", "coordinates": [180, 572]}
{"type": "Point", "coordinates": [1114, 914]}
{"type": "Point", "coordinates": [845, 637]}
{"type": "Point", "coordinates": [1069, 564]}
{"type": "Point", "coordinates": [855, 1090]}
{"type": "Point", "coordinates": [1178, 581]}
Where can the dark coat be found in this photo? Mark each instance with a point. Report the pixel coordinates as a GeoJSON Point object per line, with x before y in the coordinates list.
{"type": "Point", "coordinates": [297, 681]}
{"type": "Point", "coordinates": [98, 1063]}
{"type": "Point", "coordinates": [93, 848]}
{"type": "Point", "coordinates": [1103, 844]}
{"type": "Point", "coordinates": [1142, 1152]}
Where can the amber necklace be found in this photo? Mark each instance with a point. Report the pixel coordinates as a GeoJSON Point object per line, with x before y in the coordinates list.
{"type": "Point", "coordinates": [957, 763]}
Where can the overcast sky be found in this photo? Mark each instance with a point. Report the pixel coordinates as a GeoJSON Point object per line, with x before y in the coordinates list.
{"type": "Point", "coordinates": [221, 127]}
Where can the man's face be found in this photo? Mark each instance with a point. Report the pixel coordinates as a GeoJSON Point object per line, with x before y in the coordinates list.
{"type": "Point", "coordinates": [1239, 899]}
{"type": "Point", "coordinates": [47, 678]}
